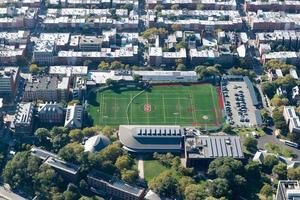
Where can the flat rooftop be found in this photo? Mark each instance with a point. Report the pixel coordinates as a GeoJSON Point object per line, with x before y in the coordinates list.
{"type": "Point", "coordinates": [201, 147]}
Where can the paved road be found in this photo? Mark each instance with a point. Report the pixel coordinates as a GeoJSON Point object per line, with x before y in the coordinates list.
{"type": "Point", "coordinates": [272, 139]}
{"type": "Point", "coordinates": [141, 167]}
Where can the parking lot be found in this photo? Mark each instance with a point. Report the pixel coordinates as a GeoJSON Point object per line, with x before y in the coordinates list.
{"type": "Point", "coordinates": [239, 108]}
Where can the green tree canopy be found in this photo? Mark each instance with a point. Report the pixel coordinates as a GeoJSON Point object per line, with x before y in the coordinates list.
{"type": "Point", "coordinates": [165, 184]}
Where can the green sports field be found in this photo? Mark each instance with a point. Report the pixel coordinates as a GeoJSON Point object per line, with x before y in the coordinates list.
{"type": "Point", "coordinates": [192, 105]}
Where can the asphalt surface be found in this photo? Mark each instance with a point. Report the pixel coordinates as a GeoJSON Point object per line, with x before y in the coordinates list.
{"type": "Point", "coordinates": [272, 139]}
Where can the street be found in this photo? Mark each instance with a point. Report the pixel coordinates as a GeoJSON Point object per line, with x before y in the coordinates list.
{"type": "Point", "coordinates": [272, 139]}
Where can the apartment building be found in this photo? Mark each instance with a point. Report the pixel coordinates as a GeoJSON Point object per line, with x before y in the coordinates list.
{"type": "Point", "coordinates": [290, 39]}
{"type": "Point", "coordinates": [157, 57]}
{"type": "Point", "coordinates": [289, 57]}
{"type": "Point", "coordinates": [9, 77]}
{"type": "Point", "coordinates": [287, 190]}
{"type": "Point", "coordinates": [291, 119]}
{"type": "Point", "coordinates": [47, 88]}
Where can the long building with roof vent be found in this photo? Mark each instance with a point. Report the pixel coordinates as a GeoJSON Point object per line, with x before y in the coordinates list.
{"type": "Point", "coordinates": [151, 138]}
{"type": "Point", "coordinates": [51, 113]}
{"type": "Point", "coordinates": [291, 119]}
{"type": "Point", "coordinates": [205, 148]}
{"type": "Point", "coordinates": [74, 116]}
{"type": "Point", "coordinates": [196, 147]}
{"type": "Point", "coordinates": [23, 121]}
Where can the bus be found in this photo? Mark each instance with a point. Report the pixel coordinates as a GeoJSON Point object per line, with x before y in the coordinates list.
{"type": "Point", "coordinates": [291, 144]}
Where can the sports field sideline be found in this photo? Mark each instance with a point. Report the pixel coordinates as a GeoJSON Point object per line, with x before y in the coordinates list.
{"type": "Point", "coordinates": [192, 105]}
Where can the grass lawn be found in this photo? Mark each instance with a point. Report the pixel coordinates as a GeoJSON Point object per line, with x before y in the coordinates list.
{"type": "Point", "coordinates": [192, 105]}
{"type": "Point", "coordinates": [152, 168]}
{"type": "Point", "coordinates": [248, 131]}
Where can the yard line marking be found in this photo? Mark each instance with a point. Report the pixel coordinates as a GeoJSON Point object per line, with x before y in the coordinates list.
{"type": "Point", "coordinates": [178, 103]}
{"type": "Point", "coordinates": [130, 109]}
{"type": "Point", "coordinates": [192, 104]}
{"type": "Point", "coordinates": [164, 108]}
{"type": "Point", "coordinates": [115, 114]}
{"type": "Point", "coordinates": [214, 105]}
{"type": "Point", "coordinates": [100, 108]}
{"type": "Point", "coordinates": [147, 112]}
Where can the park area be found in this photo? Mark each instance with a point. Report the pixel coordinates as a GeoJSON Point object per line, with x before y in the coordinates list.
{"type": "Point", "coordinates": [187, 105]}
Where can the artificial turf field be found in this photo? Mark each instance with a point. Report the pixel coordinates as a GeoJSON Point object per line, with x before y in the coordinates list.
{"type": "Point", "coordinates": [187, 105]}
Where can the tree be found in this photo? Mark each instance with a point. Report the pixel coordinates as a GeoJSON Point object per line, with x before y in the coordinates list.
{"type": "Point", "coordinates": [165, 184]}
{"type": "Point", "coordinates": [184, 182]}
{"type": "Point", "coordinates": [227, 129]}
{"type": "Point", "coordinates": [269, 88]}
{"type": "Point", "coordinates": [277, 101]}
{"type": "Point", "coordinates": [175, 7]}
{"type": "Point", "coordinates": [250, 144]}
{"type": "Point", "coordinates": [19, 171]}
{"type": "Point", "coordinates": [76, 135]}
{"type": "Point", "coordinates": [219, 188]}
{"type": "Point", "coordinates": [83, 185]}
{"type": "Point", "coordinates": [111, 152]}
{"type": "Point", "coordinates": [110, 82]}
{"type": "Point", "coordinates": [293, 174]}
{"type": "Point", "coordinates": [130, 176]}
{"type": "Point", "coordinates": [180, 67]}
{"type": "Point", "coordinates": [280, 171]}
{"type": "Point", "coordinates": [181, 45]}
{"type": "Point", "coordinates": [34, 69]}
{"type": "Point", "coordinates": [264, 113]}
{"type": "Point", "coordinates": [116, 65]}
{"type": "Point", "coordinates": [108, 131]}
{"type": "Point", "coordinates": [103, 65]}
{"type": "Point", "coordinates": [195, 192]}
{"type": "Point", "coordinates": [224, 167]}
{"type": "Point", "coordinates": [279, 121]}
{"type": "Point", "coordinates": [71, 152]}
{"type": "Point", "coordinates": [269, 162]}
{"type": "Point", "coordinates": [91, 131]}
{"type": "Point", "coordinates": [124, 162]}
{"type": "Point", "coordinates": [176, 27]}
{"type": "Point", "coordinates": [45, 180]}
{"type": "Point", "coordinates": [88, 63]}
{"type": "Point", "coordinates": [42, 136]}
{"type": "Point", "coordinates": [243, 72]}
{"type": "Point", "coordinates": [253, 171]}
{"type": "Point", "coordinates": [207, 72]}
{"type": "Point", "coordinates": [266, 190]}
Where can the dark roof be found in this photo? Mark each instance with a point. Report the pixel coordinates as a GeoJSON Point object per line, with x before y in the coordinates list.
{"type": "Point", "coordinates": [116, 183]}
{"type": "Point", "coordinates": [139, 138]}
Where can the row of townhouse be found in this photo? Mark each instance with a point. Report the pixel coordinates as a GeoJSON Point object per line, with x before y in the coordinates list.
{"type": "Point", "coordinates": [18, 17]}
{"type": "Point", "coordinates": [196, 20]}
{"type": "Point", "coordinates": [292, 6]}
{"type": "Point", "coordinates": [270, 21]}
{"type": "Point", "coordinates": [195, 57]}
{"type": "Point", "coordinates": [74, 18]}
{"type": "Point", "coordinates": [192, 4]}
{"type": "Point", "coordinates": [90, 3]}
{"type": "Point", "coordinates": [64, 48]}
